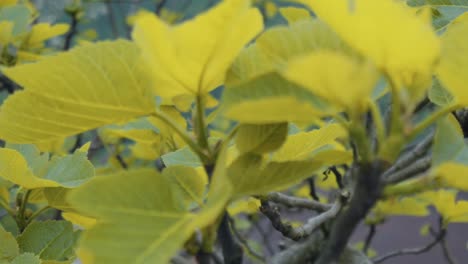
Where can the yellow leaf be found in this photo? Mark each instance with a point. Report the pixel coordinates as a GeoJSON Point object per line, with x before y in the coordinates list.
{"type": "Point", "coordinates": [33, 171]}
{"type": "Point", "coordinates": [247, 205]}
{"type": "Point", "coordinates": [251, 174]}
{"type": "Point", "coordinates": [335, 77]}
{"type": "Point", "coordinates": [7, 2]}
{"type": "Point", "coordinates": [77, 219]}
{"type": "Point", "coordinates": [4, 194]}
{"type": "Point", "coordinates": [452, 175]}
{"type": "Point", "coordinates": [193, 57]}
{"type": "Point", "coordinates": [6, 31]}
{"type": "Point", "coordinates": [140, 198]}
{"type": "Point", "coordinates": [14, 168]}
{"type": "Point", "coordinates": [189, 181]}
{"type": "Point", "coordinates": [391, 34]}
{"type": "Point", "coordinates": [301, 146]}
{"type": "Point", "coordinates": [453, 67]}
{"type": "Point", "coordinates": [44, 31]}
{"type": "Point", "coordinates": [146, 201]}
{"type": "Point", "coordinates": [445, 203]}
{"type": "Point", "coordinates": [294, 14]}
{"type": "Point", "coordinates": [75, 91]}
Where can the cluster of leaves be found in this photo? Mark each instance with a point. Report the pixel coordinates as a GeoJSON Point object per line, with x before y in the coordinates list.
{"type": "Point", "coordinates": [359, 87]}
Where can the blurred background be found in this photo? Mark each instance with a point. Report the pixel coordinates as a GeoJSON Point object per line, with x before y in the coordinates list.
{"type": "Point", "coordinates": [95, 20]}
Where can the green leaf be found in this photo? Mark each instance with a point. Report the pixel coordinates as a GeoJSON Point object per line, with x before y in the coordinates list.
{"type": "Point", "coordinates": [250, 174]}
{"type": "Point", "coordinates": [140, 217]}
{"type": "Point", "coordinates": [439, 95]}
{"type": "Point", "coordinates": [183, 156]}
{"type": "Point", "coordinates": [57, 198]}
{"type": "Point", "coordinates": [261, 138]}
{"type": "Point", "coordinates": [50, 240]}
{"type": "Point", "coordinates": [8, 246]}
{"type": "Point", "coordinates": [85, 88]}
{"type": "Point", "coordinates": [68, 171]}
{"type": "Point", "coordinates": [449, 144]}
{"type": "Point", "coordinates": [27, 258]}
{"type": "Point", "coordinates": [19, 15]}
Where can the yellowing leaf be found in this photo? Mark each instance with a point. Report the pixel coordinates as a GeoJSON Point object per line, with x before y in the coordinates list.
{"type": "Point", "coordinates": [7, 2]}
{"type": "Point", "coordinates": [77, 219]}
{"type": "Point", "coordinates": [391, 34]}
{"type": "Point", "coordinates": [250, 174]}
{"type": "Point", "coordinates": [193, 57]}
{"type": "Point", "coordinates": [446, 204]}
{"type": "Point", "coordinates": [334, 77]}
{"type": "Point", "coordinates": [190, 182]}
{"type": "Point", "coordinates": [44, 31]}
{"type": "Point", "coordinates": [261, 138]}
{"type": "Point", "coordinates": [14, 168]}
{"type": "Point", "coordinates": [294, 14]}
{"type": "Point", "coordinates": [8, 246]}
{"type": "Point", "coordinates": [6, 30]}
{"type": "Point", "coordinates": [36, 172]}
{"type": "Point", "coordinates": [88, 87]}
{"type": "Point", "coordinates": [453, 67]}
{"type": "Point", "coordinates": [452, 175]}
{"type": "Point", "coordinates": [247, 205]}
{"type": "Point", "coordinates": [263, 100]}
{"type": "Point", "coordinates": [302, 145]}
{"type": "Point", "coordinates": [141, 199]}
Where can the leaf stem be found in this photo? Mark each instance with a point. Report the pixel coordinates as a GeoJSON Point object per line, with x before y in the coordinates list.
{"type": "Point", "coordinates": [21, 218]}
{"type": "Point", "coordinates": [192, 144]}
{"type": "Point", "coordinates": [200, 124]}
{"type": "Point", "coordinates": [37, 213]}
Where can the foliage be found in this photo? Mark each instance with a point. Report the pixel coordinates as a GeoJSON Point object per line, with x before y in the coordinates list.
{"type": "Point", "coordinates": [154, 148]}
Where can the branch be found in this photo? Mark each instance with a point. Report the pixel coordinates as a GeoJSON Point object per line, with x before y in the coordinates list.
{"type": "Point", "coordinates": [73, 29]}
{"type": "Point", "coordinates": [291, 201]}
{"type": "Point", "coordinates": [366, 192]}
{"type": "Point", "coordinates": [408, 158]}
{"type": "Point", "coordinates": [313, 191]}
{"type": "Point", "coordinates": [369, 238]}
{"type": "Point", "coordinates": [305, 230]}
{"type": "Point", "coordinates": [416, 168]}
{"type": "Point", "coordinates": [301, 252]}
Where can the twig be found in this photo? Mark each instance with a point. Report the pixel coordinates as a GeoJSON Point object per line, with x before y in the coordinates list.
{"type": "Point", "coordinates": [412, 251]}
{"type": "Point", "coordinates": [305, 230]}
{"type": "Point", "coordinates": [408, 158]}
{"type": "Point", "coordinates": [366, 192]}
{"type": "Point", "coordinates": [159, 6]}
{"type": "Point", "coordinates": [291, 201]}
{"type": "Point", "coordinates": [369, 238]}
{"type": "Point", "coordinates": [443, 243]}
{"type": "Point", "coordinates": [414, 169]}
{"type": "Point", "coordinates": [73, 29]}
{"type": "Point", "coordinates": [338, 176]}
{"type": "Point", "coordinates": [302, 252]}
{"type": "Point", "coordinates": [244, 242]}
{"type": "Point", "coordinates": [312, 190]}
